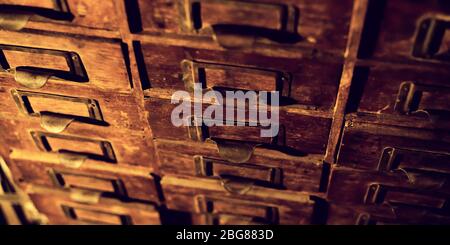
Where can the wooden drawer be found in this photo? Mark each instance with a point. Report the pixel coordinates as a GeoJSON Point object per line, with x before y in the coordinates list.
{"type": "Point", "coordinates": [298, 134]}
{"type": "Point", "coordinates": [323, 24]}
{"type": "Point", "coordinates": [383, 215]}
{"type": "Point", "coordinates": [420, 94]}
{"type": "Point", "coordinates": [403, 188]}
{"type": "Point", "coordinates": [77, 144]}
{"type": "Point", "coordinates": [118, 182]}
{"type": "Point", "coordinates": [61, 108]}
{"type": "Point", "coordinates": [306, 82]}
{"type": "Point", "coordinates": [19, 14]}
{"type": "Point", "coordinates": [385, 148]}
{"type": "Point", "coordinates": [60, 209]}
{"type": "Point", "coordinates": [35, 60]}
{"type": "Point", "coordinates": [407, 30]}
{"type": "Point", "coordinates": [266, 168]}
{"type": "Point", "coordinates": [243, 206]}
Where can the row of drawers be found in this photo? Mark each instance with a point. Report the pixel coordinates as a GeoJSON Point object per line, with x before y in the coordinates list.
{"type": "Point", "coordinates": [405, 29]}
{"type": "Point", "coordinates": [411, 90]}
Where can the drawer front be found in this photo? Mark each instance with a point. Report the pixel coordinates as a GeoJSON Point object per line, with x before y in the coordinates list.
{"type": "Point", "coordinates": [109, 184]}
{"type": "Point", "coordinates": [309, 83]}
{"type": "Point", "coordinates": [60, 210]}
{"type": "Point", "coordinates": [297, 135]}
{"type": "Point", "coordinates": [19, 14]}
{"type": "Point", "coordinates": [384, 148]}
{"type": "Point", "coordinates": [376, 215]}
{"type": "Point", "coordinates": [242, 22]}
{"type": "Point", "coordinates": [399, 189]}
{"type": "Point", "coordinates": [78, 144]}
{"type": "Point", "coordinates": [413, 93]}
{"type": "Point", "coordinates": [62, 109]}
{"type": "Point", "coordinates": [407, 30]}
{"type": "Point", "coordinates": [237, 209]}
{"type": "Point", "coordinates": [263, 168]}
{"type": "Point", "coordinates": [35, 60]}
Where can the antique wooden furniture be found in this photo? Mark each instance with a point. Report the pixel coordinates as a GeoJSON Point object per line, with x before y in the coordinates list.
{"type": "Point", "coordinates": [85, 112]}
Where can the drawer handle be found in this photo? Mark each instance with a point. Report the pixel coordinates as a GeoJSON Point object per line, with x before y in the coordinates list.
{"type": "Point", "coordinates": [14, 21]}
{"type": "Point", "coordinates": [379, 194]}
{"type": "Point", "coordinates": [236, 186]}
{"type": "Point", "coordinates": [232, 30]}
{"type": "Point", "coordinates": [100, 150]}
{"type": "Point", "coordinates": [204, 166]}
{"type": "Point", "coordinates": [391, 160]}
{"type": "Point", "coordinates": [71, 160]}
{"type": "Point", "coordinates": [234, 151]}
{"type": "Point", "coordinates": [431, 34]}
{"type": "Point", "coordinates": [409, 98]}
{"type": "Point", "coordinates": [56, 122]}
{"type": "Point", "coordinates": [27, 75]}
{"type": "Point", "coordinates": [198, 72]}
{"type": "Point", "coordinates": [84, 196]}
{"type": "Point", "coordinates": [30, 79]}
{"type": "Point", "coordinates": [15, 18]}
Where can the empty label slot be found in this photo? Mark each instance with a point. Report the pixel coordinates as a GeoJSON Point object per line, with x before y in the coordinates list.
{"type": "Point", "coordinates": [94, 149]}
{"type": "Point", "coordinates": [46, 61]}
{"type": "Point", "coordinates": [206, 13]}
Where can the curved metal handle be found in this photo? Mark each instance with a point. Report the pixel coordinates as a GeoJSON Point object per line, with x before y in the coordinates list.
{"type": "Point", "coordinates": [71, 160]}
{"type": "Point", "coordinates": [236, 187]}
{"type": "Point", "coordinates": [14, 21]}
{"type": "Point", "coordinates": [83, 196]}
{"type": "Point", "coordinates": [30, 79]}
{"type": "Point", "coordinates": [229, 37]}
{"type": "Point", "coordinates": [55, 123]}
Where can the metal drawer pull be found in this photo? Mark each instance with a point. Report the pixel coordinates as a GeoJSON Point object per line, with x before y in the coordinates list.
{"type": "Point", "coordinates": [71, 160]}
{"type": "Point", "coordinates": [230, 150]}
{"type": "Point", "coordinates": [16, 17]}
{"type": "Point", "coordinates": [83, 147]}
{"type": "Point", "coordinates": [236, 186]}
{"type": "Point", "coordinates": [84, 196]}
{"type": "Point", "coordinates": [206, 167]}
{"type": "Point", "coordinates": [37, 105]}
{"type": "Point", "coordinates": [239, 23]}
{"type": "Point", "coordinates": [431, 34]}
{"type": "Point", "coordinates": [393, 159]}
{"type": "Point", "coordinates": [212, 75]}
{"type": "Point", "coordinates": [30, 79]}
{"type": "Point", "coordinates": [252, 213]}
{"type": "Point", "coordinates": [409, 98]}
{"type": "Point", "coordinates": [21, 62]}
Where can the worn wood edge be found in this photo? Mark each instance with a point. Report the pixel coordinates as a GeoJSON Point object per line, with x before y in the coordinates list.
{"type": "Point", "coordinates": [52, 159]}
{"type": "Point", "coordinates": [260, 192]}
{"type": "Point", "coordinates": [356, 28]}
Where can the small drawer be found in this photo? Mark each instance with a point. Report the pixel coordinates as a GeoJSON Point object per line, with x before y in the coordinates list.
{"type": "Point", "coordinates": [61, 210]}
{"type": "Point", "coordinates": [265, 168]}
{"type": "Point", "coordinates": [386, 148]}
{"type": "Point", "coordinates": [297, 135]}
{"type": "Point", "coordinates": [239, 24]}
{"type": "Point", "coordinates": [63, 109]}
{"type": "Point", "coordinates": [79, 144]}
{"type": "Point", "coordinates": [377, 215]}
{"type": "Point", "coordinates": [36, 60]}
{"type": "Point", "coordinates": [424, 190]}
{"type": "Point", "coordinates": [407, 30]}
{"type": "Point", "coordinates": [90, 148]}
{"type": "Point", "coordinates": [307, 83]}
{"type": "Point", "coordinates": [18, 14]}
{"type": "Point", "coordinates": [411, 93]}
{"type": "Point", "coordinates": [255, 206]}
{"type": "Point", "coordinates": [92, 176]}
